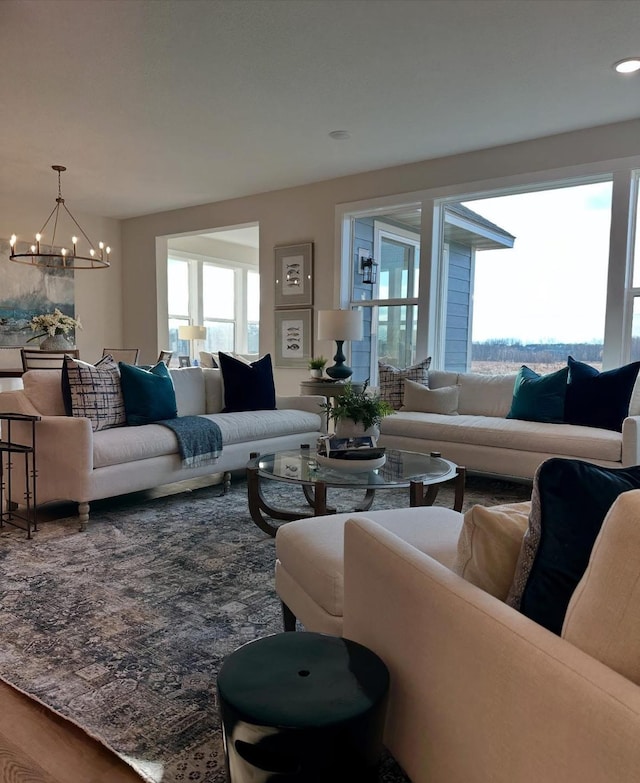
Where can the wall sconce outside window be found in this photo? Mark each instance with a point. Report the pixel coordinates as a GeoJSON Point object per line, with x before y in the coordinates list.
{"type": "Point", "coordinates": [368, 268]}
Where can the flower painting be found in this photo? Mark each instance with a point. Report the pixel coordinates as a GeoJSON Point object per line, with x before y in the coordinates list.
{"type": "Point", "coordinates": [28, 291]}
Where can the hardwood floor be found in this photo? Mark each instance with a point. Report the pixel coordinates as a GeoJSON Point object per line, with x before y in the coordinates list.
{"type": "Point", "coordinates": [39, 746]}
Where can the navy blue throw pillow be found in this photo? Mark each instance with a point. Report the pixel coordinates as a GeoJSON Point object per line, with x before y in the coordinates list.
{"type": "Point", "coordinates": [148, 394]}
{"type": "Point", "coordinates": [570, 500]}
{"type": "Point", "coordinates": [539, 397]}
{"type": "Point", "coordinates": [247, 387]}
{"type": "Point", "coordinates": [599, 399]}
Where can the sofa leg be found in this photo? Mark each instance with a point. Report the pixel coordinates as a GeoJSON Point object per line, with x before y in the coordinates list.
{"type": "Point", "coordinates": [83, 515]}
{"type": "Point", "coordinates": [227, 482]}
{"type": "Point", "coordinates": [288, 618]}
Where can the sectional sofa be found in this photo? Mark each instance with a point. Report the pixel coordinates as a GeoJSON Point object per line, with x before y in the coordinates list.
{"type": "Point", "coordinates": [480, 437]}
{"type": "Point", "coordinates": [77, 464]}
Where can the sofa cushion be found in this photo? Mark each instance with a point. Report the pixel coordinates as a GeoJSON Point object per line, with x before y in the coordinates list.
{"type": "Point", "coordinates": [569, 502]}
{"type": "Point", "coordinates": [418, 397]}
{"type": "Point", "coordinates": [312, 550]}
{"type": "Point", "coordinates": [188, 383]}
{"type": "Point", "coordinates": [485, 395]}
{"type": "Point", "coordinates": [148, 394]}
{"type": "Point", "coordinates": [489, 545]}
{"type": "Point", "coordinates": [492, 432]}
{"type": "Point", "coordinates": [391, 380]}
{"type": "Point", "coordinates": [599, 399]}
{"type": "Point", "coordinates": [603, 618]}
{"type": "Point", "coordinates": [247, 387]}
{"type": "Point", "coordinates": [129, 444]}
{"type": "Point", "coordinates": [93, 391]}
{"type": "Point", "coordinates": [213, 390]}
{"type": "Point", "coordinates": [539, 397]}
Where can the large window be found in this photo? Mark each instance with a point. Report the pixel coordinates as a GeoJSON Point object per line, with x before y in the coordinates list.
{"type": "Point", "coordinates": [488, 282]}
{"type": "Point", "coordinates": [543, 297]}
{"type": "Point", "coordinates": [224, 297]}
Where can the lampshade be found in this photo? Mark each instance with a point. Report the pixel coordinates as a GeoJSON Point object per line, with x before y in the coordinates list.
{"type": "Point", "coordinates": [192, 332]}
{"type": "Point", "coordinates": [339, 325]}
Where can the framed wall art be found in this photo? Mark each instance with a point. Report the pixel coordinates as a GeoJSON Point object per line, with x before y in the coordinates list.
{"type": "Point", "coordinates": [27, 291]}
{"type": "Point", "coordinates": [294, 275]}
{"type": "Point", "coordinates": [293, 338]}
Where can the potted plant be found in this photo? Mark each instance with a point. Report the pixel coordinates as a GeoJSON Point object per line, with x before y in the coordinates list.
{"type": "Point", "coordinates": [357, 412]}
{"type": "Point", "coordinates": [316, 366]}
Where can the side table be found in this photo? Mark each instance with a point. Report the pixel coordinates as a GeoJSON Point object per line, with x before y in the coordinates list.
{"type": "Point", "coordinates": [327, 388]}
{"type": "Point", "coordinates": [10, 450]}
{"type": "Point", "coordinates": [304, 707]}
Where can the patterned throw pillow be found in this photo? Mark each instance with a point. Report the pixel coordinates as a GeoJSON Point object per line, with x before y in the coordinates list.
{"type": "Point", "coordinates": [93, 391]}
{"type": "Point", "coordinates": [391, 380]}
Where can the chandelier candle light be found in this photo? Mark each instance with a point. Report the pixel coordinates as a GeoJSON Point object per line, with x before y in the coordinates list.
{"type": "Point", "coordinates": [339, 325]}
{"type": "Point", "coordinates": [48, 255]}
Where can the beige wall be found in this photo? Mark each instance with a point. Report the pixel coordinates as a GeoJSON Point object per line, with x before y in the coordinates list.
{"type": "Point", "coordinates": [308, 213]}
{"type": "Point", "coordinates": [98, 293]}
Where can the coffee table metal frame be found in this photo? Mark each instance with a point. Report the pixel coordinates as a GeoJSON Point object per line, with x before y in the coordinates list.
{"type": "Point", "coordinates": [315, 480]}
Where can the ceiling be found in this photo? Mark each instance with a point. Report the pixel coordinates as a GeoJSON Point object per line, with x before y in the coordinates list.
{"type": "Point", "coordinates": [159, 104]}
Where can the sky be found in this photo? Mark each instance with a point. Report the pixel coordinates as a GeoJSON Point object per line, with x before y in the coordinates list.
{"type": "Point", "coordinates": [557, 267]}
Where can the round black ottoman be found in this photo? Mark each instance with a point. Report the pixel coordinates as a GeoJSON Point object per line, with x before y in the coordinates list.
{"type": "Point", "coordinates": [302, 707]}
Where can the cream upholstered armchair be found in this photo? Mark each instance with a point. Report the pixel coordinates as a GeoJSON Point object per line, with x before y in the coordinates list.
{"type": "Point", "coordinates": [478, 690]}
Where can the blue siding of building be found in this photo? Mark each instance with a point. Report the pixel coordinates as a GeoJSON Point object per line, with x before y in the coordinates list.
{"type": "Point", "coordinates": [458, 325]}
{"type": "Point", "coordinates": [360, 352]}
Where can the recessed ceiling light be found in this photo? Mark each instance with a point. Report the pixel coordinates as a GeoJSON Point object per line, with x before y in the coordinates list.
{"type": "Point", "coordinates": [340, 135]}
{"type": "Point", "coordinates": [628, 65]}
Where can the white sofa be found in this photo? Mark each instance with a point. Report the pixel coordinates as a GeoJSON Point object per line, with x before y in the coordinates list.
{"type": "Point", "coordinates": [483, 440]}
{"type": "Point", "coordinates": [74, 463]}
{"type": "Point", "coordinates": [479, 692]}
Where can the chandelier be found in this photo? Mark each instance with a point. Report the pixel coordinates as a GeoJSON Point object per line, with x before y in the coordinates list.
{"type": "Point", "coordinates": [47, 254]}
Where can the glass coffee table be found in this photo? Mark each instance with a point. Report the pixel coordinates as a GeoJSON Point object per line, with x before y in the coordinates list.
{"type": "Point", "coordinates": [422, 473]}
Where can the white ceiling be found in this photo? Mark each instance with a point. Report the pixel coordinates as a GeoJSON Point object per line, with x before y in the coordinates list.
{"type": "Point", "coordinates": [158, 104]}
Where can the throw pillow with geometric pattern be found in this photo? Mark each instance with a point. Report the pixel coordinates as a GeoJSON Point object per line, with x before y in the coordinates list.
{"type": "Point", "coordinates": [94, 392]}
{"type": "Point", "coordinates": [391, 380]}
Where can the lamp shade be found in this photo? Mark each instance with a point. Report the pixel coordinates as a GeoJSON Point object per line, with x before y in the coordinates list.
{"type": "Point", "coordinates": [339, 325]}
{"type": "Point", "coordinates": [192, 332]}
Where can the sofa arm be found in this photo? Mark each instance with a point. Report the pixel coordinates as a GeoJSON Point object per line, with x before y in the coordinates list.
{"type": "Point", "coordinates": [64, 457]}
{"type": "Point", "coordinates": [305, 402]}
{"type": "Point", "coordinates": [17, 402]}
{"type": "Point", "coordinates": [474, 684]}
{"type": "Point", "coordinates": [631, 441]}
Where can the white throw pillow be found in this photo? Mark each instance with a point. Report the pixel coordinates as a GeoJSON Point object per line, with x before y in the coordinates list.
{"type": "Point", "coordinates": [424, 400]}
{"type": "Point", "coordinates": [489, 546]}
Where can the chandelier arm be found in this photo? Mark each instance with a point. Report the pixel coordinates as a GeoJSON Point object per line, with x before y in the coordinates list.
{"type": "Point", "coordinates": [48, 219]}
{"type": "Point", "coordinates": [79, 227]}
{"type": "Point", "coordinates": [55, 226]}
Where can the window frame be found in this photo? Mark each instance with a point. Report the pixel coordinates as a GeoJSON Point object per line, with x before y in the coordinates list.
{"type": "Point", "coordinates": [241, 271]}
{"type": "Point", "coordinates": [619, 298]}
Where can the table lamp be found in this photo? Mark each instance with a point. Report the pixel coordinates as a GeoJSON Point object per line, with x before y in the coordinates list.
{"type": "Point", "coordinates": [192, 333]}
{"type": "Point", "coordinates": [339, 325]}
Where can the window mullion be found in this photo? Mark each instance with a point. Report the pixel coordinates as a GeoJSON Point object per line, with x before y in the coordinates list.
{"type": "Point", "coordinates": [619, 309]}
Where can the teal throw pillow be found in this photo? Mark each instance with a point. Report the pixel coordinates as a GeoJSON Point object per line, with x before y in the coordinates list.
{"type": "Point", "coordinates": [148, 394]}
{"type": "Point", "coordinates": [539, 397]}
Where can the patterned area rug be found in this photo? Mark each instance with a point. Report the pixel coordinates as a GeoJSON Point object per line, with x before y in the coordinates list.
{"type": "Point", "coordinates": [123, 628]}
